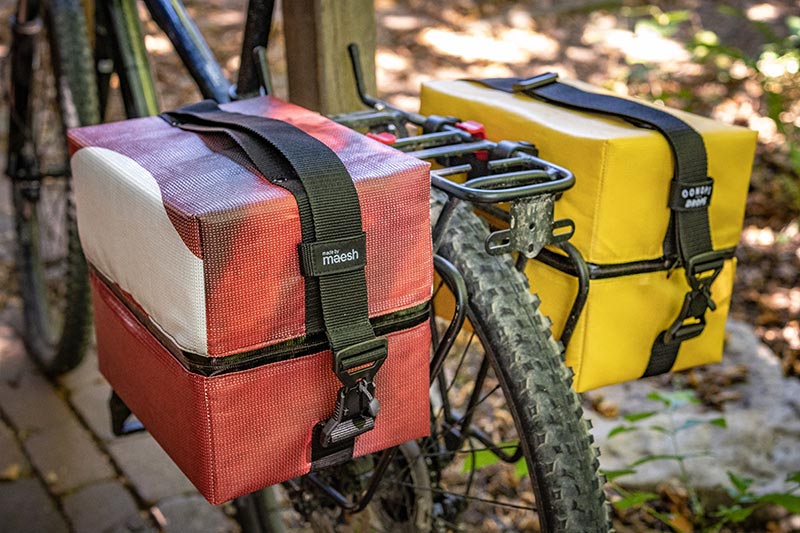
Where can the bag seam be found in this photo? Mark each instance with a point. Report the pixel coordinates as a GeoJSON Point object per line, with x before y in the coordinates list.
{"type": "Point", "coordinates": [210, 442]}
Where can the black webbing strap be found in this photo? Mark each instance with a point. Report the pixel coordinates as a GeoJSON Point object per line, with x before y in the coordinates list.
{"type": "Point", "coordinates": [333, 249]}
{"type": "Point", "coordinates": [689, 234]}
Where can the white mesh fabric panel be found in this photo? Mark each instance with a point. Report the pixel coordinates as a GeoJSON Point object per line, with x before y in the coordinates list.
{"type": "Point", "coordinates": [128, 236]}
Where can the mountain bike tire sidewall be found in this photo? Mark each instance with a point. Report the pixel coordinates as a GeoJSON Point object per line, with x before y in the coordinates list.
{"type": "Point", "coordinates": [559, 450]}
{"type": "Point", "coordinates": [73, 67]}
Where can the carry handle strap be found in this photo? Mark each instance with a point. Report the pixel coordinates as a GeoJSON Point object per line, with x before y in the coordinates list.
{"type": "Point", "coordinates": [689, 234]}
{"type": "Point", "coordinates": [333, 252]}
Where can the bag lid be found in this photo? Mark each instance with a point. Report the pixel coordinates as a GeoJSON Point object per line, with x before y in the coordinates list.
{"type": "Point", "coordinates": [208, 247]}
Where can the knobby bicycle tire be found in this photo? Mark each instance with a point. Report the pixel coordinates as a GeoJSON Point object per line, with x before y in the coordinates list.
{"type": "Point", "coordinates": [55, 298]}
{"type": "Point", "coordinates": [561, 456]}
{"type": "Point", "coordinates": [558, 450]}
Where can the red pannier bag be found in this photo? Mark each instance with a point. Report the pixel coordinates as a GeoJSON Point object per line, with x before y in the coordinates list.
{"type": "Point", "coordinates": [261, 279]}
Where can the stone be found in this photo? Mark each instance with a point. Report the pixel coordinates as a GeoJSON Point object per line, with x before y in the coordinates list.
{"type": "Point", "coordinates": [67, 458]}
{"type": "Point", "coordinates": [85, 374]}
{"type": "Point", "coordinates": [761, 441]}
{"type": "Point", "coordinates": [91, 402]}
{"type": "Point", "coordinates": [26, 506]}
{"type": "Point", "coordinates": [31, 403]}
{"type": "Point", "coordinates": [14, 360]}
{"type": "Point", "coordinates": [150, 470]}
{"type": "Point", "coordinates": [13, 464]}
{"type": "Point", "coordinates": [192, 513]}
{"type": "Point", "coordinates": [103, 507]}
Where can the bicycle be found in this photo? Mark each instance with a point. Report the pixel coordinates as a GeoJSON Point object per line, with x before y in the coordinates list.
{"type": "Point", "coordinates": [538, 444]}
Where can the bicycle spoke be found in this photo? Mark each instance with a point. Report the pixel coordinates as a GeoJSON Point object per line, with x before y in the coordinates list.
{"type": "Point", "coordinates": [529, 506]}
{"type": "Point", "coordinates": [455, 375]}
{"type": "Point", "coordinates": [472, 409]}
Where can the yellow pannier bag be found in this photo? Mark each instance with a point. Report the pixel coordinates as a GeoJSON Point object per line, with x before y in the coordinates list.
{"type": "Point", "coordinates": [644, 210]}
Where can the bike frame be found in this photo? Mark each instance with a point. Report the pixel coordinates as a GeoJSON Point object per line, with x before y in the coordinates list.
{"type": "Point", "coordinates": [21, 160]}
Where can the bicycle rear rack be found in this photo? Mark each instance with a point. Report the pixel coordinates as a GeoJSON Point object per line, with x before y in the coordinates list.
{"type": "Point", "coordinates": [492, 173]}
{"type": "Point", "coordinates": [507, 180]}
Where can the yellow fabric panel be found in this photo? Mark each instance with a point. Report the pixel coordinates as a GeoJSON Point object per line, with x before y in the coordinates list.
{"type": "Point", "coordinates": [619, 206]}
{"type": "Point", "coordinates": [623, 173]}
{"type": "Point", "coordinates": [622, 318]}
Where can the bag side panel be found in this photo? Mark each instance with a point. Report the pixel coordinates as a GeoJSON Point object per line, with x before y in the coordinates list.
{"type": "Point", "coordinates": [168, 400]}
{"type": "Point", "coordinates": [236, 433]}
{"type": "Point", "coordinates": [612, 340]}
{"type": "Point", "coordinates": [263, 417]}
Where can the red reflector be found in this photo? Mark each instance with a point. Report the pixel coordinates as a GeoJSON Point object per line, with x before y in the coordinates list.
{"type": "Point", "coordinates": [475, 129]}
{"type": "Point", "coordinates": [384, 137]}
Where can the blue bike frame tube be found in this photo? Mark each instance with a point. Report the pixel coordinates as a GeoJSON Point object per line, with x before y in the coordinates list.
{"type": "Point", "coordinates": [172, 18]}
{"type": "Point", "coordinates": [131, 61]}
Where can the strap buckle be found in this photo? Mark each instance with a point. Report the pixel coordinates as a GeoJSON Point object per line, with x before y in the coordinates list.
{"type": "Point", "coordinates": [691, 320]}
{"type": "Point", "coordinates": [354, 414]}
{"type": "Point", "coordinates": [356, 404]}
{"type": "Point", "coordinates": [360, 361]}
{"type": "Point", "coordinates": [701, 271]}
{"type": "Point", "coordinates": [535, 82]}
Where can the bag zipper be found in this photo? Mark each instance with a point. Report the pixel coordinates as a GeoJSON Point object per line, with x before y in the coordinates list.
{"type": "Point", "coordinates": [295, 348]}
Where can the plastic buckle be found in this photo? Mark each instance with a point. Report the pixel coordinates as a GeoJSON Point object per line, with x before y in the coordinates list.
{"type": "Point", "coordinates": [700, 264]}
{"type": "Point", "coordinates": [360, 361]}
{"type": "Point", "coordinates": [535, 82]}
{"type": "Point", "coordinates": [694, 309]}
{"type": "Point", "coordinates": [476, 129]}
{"type": "Point", "coordinates": [701, 271]}
{"type": "Point", "coordinates": [354, 414]}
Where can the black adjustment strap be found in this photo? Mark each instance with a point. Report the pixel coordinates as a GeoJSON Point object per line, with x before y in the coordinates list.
{"type": "Point", "coordinates": [690, 195]}
{"type": "Point", "coordinates": [333, 251]}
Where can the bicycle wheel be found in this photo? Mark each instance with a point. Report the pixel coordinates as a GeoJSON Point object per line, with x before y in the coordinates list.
{"type": "Point", "coordinates": [61, 94]}
{"type": "Point", "coordinates": [509, 449]}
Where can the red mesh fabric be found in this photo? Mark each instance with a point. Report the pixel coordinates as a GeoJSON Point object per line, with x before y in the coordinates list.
{"type": "Point", "coordinates": [247, 230]}
{"type": "Point", "coordinates": [239, 432]}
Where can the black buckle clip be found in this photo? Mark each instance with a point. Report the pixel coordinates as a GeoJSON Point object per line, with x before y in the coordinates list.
{"type": "Point", "coordinates": [360, 361]}
{"type": "Point", "coordinates": [694, 309]}
{"type": "Point", "coordinates": [708, 262]}
{"type": "Point", "coordinates": [535, 82]}
{"type": "Point", "coordinates": [436, 123]}
{"type": "Point", "coordinates": [354, 414]}
{"type": "Point", "coordinates": [356, 404]}
{"type": "Point", "coordinates": [701, 271]}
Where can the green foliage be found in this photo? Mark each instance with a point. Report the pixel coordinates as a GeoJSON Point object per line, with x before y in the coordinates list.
{"type": "Point", "coordinates": [635, 499]}
{"type": "Point", "coordinates": [676, 399]}
{"type": "Point", "coordinates": [775, 67]}
{"type": "Point", "coordinates": [744, 501]}
{"type": "Point", "coordinates": [484, 457]}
